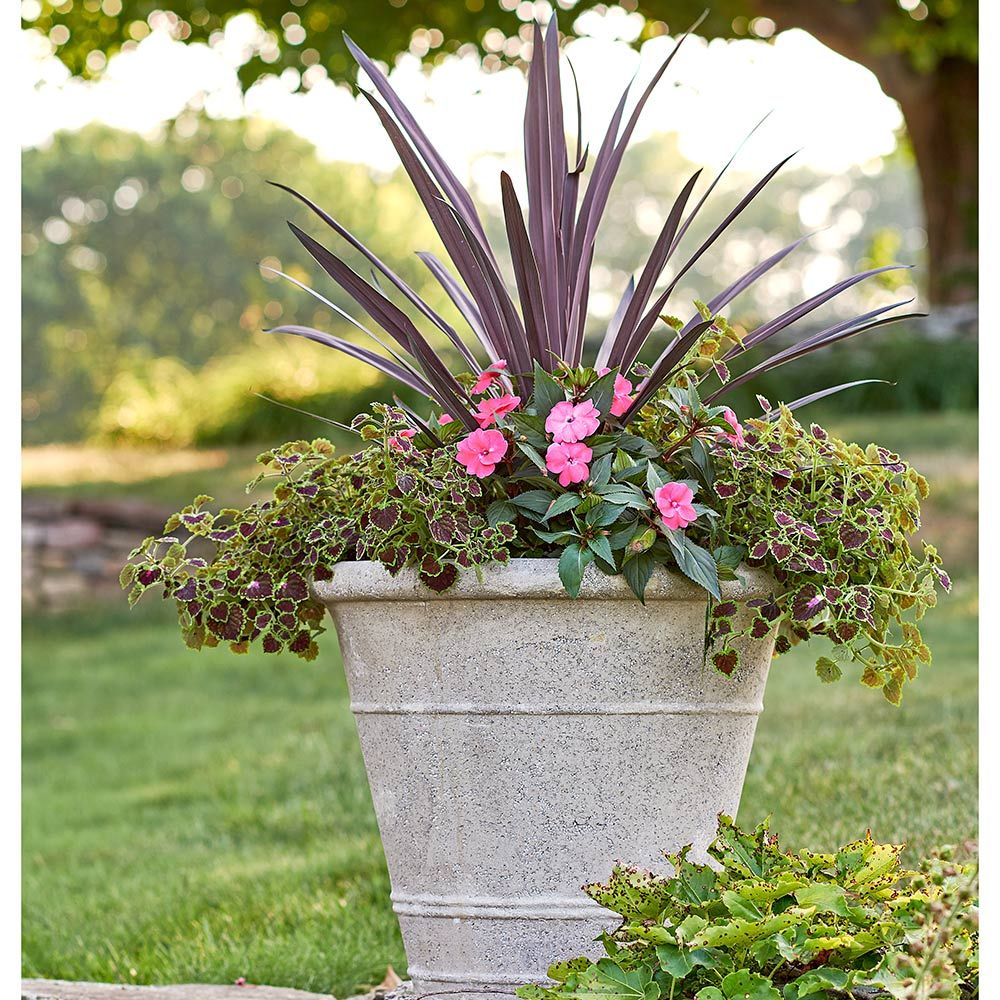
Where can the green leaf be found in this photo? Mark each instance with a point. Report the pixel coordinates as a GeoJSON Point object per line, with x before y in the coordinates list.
{"type": "Point", "coordinates": [678, 962]}
{"type": "Point", "coordinates": [694, 562]}
{"type": "Point", "coordinates": [637, 446]}
{"type": "Point", "coordinates": [600, 472]}
{"type": "Point", "coordinates": [740, 907]}
{"type": "Point", "coordinates": [572, 563]}
{"type": "Point", "coordinates": [561, 504]}
{"type": "Point", "coordinates": [749, 986]}
{"type": "Point", "coordinates": [554, 537]}
{"type": "Point", "coordinates": [602, 514]}
{"type": "Point", "coordinates": [818, 981]}
{"type": "Point", "coordinates": [536, 501]}
{"type": "Point", "coordinates": [602, 393]}
{"type": "Point", "coordinates": [601, 548]}
{"type": "Point", "coordinates": [826, 897]}
{"type": "Point", "coordinates": [623, 460]}
{"type": "Point", "coordinates": [827, 670]}
{"type": "Point", "coordinates": [532, 453]}
{"type": "Point", "coordinates": [547, 392]}
{"type": "Point", "coordinates": [499, 512]}
{"type": "Point", "coordinates": [702, 462]}
{"type": "Point", "coordinates": [531, 426]}
{"type": "Point", "coordinates": [710, 993]}
{"type": "Point", "coordinates": [637, 572]}
{"type": "Point", "coordinates": [655, 477]}
{"type": "Point", "coordinates": [730, 555]}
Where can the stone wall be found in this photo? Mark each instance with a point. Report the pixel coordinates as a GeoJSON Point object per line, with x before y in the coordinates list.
{"type": "Point", "coordinates": [72, 550]}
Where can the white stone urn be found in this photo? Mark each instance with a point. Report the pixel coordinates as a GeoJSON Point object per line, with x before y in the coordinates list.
{"type": "Point", "coordinates": [518, 742]}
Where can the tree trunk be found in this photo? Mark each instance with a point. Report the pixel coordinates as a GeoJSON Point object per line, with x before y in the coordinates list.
{"type": "Point", "coordinates": [942, 118]}
{"type": "Point", "coordinates": [941, 109]}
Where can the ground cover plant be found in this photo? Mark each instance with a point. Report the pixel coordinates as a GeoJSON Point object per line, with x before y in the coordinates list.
{"type": "Point", "coordinates": [530, 451]}
{"type": "Point", "coordinates": [761, 923]}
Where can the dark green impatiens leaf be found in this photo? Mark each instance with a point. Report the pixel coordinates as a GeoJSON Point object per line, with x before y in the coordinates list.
{"type": "Point", "coordinates": [637, 572]}
{"type": "Point", "coordinates": [572, 563]}
{"type": "Point", "coordinates": [694, 562]}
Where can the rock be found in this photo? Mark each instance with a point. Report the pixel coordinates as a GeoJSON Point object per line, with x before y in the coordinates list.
{"type": "Point", "coordinates": [72, 533]}
{"type": "Point", "coordinates": [58, 989]}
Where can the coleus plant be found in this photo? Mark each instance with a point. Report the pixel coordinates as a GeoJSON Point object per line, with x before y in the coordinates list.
{"type": "Point", "coordinates": [765, 924]}
{"type": "Point", "coordinates": [529, 450]}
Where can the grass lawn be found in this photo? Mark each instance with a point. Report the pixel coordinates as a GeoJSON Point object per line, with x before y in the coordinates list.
{"type": "Point", "coordinates": [198, 817]}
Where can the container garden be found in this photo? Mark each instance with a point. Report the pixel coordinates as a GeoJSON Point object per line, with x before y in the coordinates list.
{"type": "Point", "coordinates": [559, 566]}
{"type": "Point", "coordinates": [518, 741]}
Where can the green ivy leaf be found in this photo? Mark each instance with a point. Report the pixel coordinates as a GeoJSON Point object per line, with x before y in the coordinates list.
{"type": "Point", "coordinates": [749, 986]}
{"type": "Point", "coordinates": [819, 981]}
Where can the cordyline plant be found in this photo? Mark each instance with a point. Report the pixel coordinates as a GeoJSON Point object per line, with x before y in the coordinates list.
{"type": "Point", "coordinates": [531, 450]}
{"type": "Point", "coordinates": [759, 923]}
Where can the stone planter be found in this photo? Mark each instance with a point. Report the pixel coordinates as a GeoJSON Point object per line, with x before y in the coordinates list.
{"type": "Point", "coordinates": [518, 742]}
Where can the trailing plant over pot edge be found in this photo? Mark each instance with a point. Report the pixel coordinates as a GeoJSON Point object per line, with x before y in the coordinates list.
{"type": "Point", "coordinates": [532, 451]}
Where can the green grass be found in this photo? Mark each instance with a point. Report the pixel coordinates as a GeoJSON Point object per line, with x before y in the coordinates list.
{"type": "Point", "coordinates": [198, 817]}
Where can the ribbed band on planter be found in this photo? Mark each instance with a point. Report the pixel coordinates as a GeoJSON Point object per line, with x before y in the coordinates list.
{"type": "Point", "coordinates": [519, 742]}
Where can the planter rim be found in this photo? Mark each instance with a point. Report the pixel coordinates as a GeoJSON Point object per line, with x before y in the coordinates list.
{"type": "Point", "coordinates": [522, 579]}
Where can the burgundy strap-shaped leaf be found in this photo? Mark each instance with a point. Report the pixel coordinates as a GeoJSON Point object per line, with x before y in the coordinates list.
{"type": "Point", "coordinates": [626, 347]}
{"type": "Point", "coordinates": [396, 323]}
{"type": "Point", "coordinates": [410, 294]}
{"type": "Point", "coordinates": [440, 170]}
{"type": "Point", "coordinates": [384, 365]}
{"type": "Point", "coordinates": [529, 287]}
{"type": "Point", "coordinates": [822, 393]}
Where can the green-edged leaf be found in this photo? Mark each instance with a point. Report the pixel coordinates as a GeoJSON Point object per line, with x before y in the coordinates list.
{"type": "Point", "coordinates": [572, 563]}
{"type": "Point", "coordinates": [694, 562]}
{"type": "Point", "coordinates": [827, 670]}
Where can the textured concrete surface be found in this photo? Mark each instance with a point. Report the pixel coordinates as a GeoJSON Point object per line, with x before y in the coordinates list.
{"type": "Point", "coordinates": [519, 742]}
{"type": "Point", "coordinates": [57, 989]}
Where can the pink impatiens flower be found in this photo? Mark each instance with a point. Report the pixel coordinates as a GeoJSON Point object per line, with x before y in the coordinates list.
{"type": "Point", "coordinates": [480, 452]}
{"type": "Point", "coordinates": [487, 377]}
{"type": "Point", "coordinates": [736, 437]}
{"type": "Point", "coordinates": [445, 418]}
{"type": "Point", "coordinates": [569, 461]}
{"type": "Point", "coordinates": [569, 423]}
{"type": "Point", "coordinates": [674, 503]}
{"type": "Point", "coordinates": [495, 406]}
{"type": "Point", "coordinates": [623, 400]}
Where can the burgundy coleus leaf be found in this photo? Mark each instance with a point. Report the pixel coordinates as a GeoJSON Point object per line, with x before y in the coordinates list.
{"type": "Point", "coordinates": [725, 609]}
{"type": "Point", "coordinates": [825, 516]}
{"type": "Point", "coordinates": [295, 587]}
{"type": "Point", "coordinates": [845, 631]}
{"type": "Point", "coordinates": [818, 432]}
{"type": "Point", "coordinates": [807, 531]}
{"type": "Point", "coordinates": [726, 660]}
{"type": "Point", "coordinates": [148, 576]}
{"type": "Point", "coordinates": [807, 602]}
{"type": "Point", "coordinates": [780, 478]}
{"type": "Point", "coordinates": [782, 551]}
{"type": "Point", "coordinates": [259, 588]}
{"type": "Point", "coordinates": [782, 519]}
{"type": "Point", "coordinates": [301, 642]}
{"type": "Point", "coordinates": [192, 520]}
{"type": "Point", "coordinates": [193, 608]}
{"type": "Point", "coordinates": [308, 490]}
{"type": "Point", "coordinates": [442, 528]}
{"type": "Point", "coordinates": [322, 572]}
{"type": "Point", "coordinates": [832, 594]}
{"type": "Point", "coordinates": [861, 597]}
{"type": "Point", "coordinates": [760, 550]}
{"type": "Point", "coordinates": [722, 626]}
{"type": "Point", "coordinates": [943, 577]}
{"type": "Point", "coordinates": [725, 490]}
{"type": "Point", "coordinates": [247, 528]}
{"type": "Point", "coordinates": [289, 621]}
{"type": "Point", "coordinates": [816, 563]}
{"type": "Point", "coordinates": [473, 488]}
{"type": "Point", "coordinates": [222, 534]}
{"type": "Point", "coordinates": [270, 644]}
{"type": "Point", "coordinates": [782, 644]}
{"type": "Point", "coordinates": [851, 535]}
{"type": "Point", "coordinates": [430, 566]}
{"type": "Point", "coordinates": [759, 628]}
{"type": "Point", "coordinates": [285, 606]}
{"type": "Point", "coordinates": [188, 591]}
{"type": "Point", "coordinates": [219, 612]}
{"type": "Point", "coordinates": [440, 581]}
{"type": "Point", "coordinates": [233, 625]}
{"type": "Point", "coordinates": [393, 558]}
{"type": "Point", "coordinates": [385, 518]}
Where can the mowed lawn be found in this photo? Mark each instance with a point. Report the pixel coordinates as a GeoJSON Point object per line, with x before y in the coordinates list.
{"type": "Point", "coordinates": [200, 817]}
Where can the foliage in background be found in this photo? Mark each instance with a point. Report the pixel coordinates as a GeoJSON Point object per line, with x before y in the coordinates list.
{"type": "Point", "coordinates": [764, 924]}
{"type": "Point", "coordinates": [924, 55]}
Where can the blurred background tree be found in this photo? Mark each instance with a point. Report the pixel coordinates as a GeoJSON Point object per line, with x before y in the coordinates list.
{"type": "Point", "coordinates": [923, 52]}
